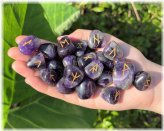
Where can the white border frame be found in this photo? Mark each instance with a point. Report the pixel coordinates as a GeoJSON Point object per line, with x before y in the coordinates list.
{"type": "Point", "coordinates": [1, 57]}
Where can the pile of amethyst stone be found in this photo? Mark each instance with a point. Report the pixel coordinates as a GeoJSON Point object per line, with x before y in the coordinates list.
{"type": "Point", "coordinates": [75, 65]}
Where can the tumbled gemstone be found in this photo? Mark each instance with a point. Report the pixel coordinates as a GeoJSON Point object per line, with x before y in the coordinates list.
{"type": "Point", "coordinates": [86, 89]}
{"type": "Point", "coordinates": [108, 63]}
{"type": "Point", "coordinates": [81, 46]}
{"type": "Point", "coordinates": [49, 50]}
{"type": "Point", "coordinates": [57, 67]}
{"type": "Point", "coordinates": [49, 77]}
{"type": "Point", "coordinates": [69, 60]}
{"type": "Point", "coordinates": [94, 69]}
{"type": "Point", "coordinates": [111, 94]}
{"type": "Point", "coordinates": [123, 74]}
{"type": "Point", "coordinates": [105, 80]}
{"type": "Point", "coordinates": [86, 59]}
{"type": "Point", "coordinates": [73, 76]}
{"type": "Point", "coordinates": [142, 80]}
{"type": "Point", "coordinates": [96, 39]}
{"type": "Point", "coordinates": [37, 61]}
{"type": "Point", "coordinates": [29, 44]}
{"type": "Point", "coordinates": [113, 51]}
{"type": "Point", "coordinates": [62, 88]}
{"type": "Point", "coordinates": [65, 47]}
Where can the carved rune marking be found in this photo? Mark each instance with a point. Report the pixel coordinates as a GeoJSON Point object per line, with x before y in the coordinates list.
{"type": "Point", "coordinates": [87, 57]}
{"type": "Point", "coordinates": [113, 52]}
{"type": "Point", "coordinates": [28, 42]}
{"type": "Point", "coordinates": [147, 83]}
{"type": "Point", "coordinates": [38, 63]}
{"type": "Point", "coordinates": [79, 45]}
{"type": "Point", "coordinates": [96, 38]}
{"type": "Point", "coordinates": [94, 68]}
{"type": "Point", "coordinates": [75, 76]}
{"type": "Point", "coordinates": [62, 43]}
{"type": "Point", "coordinates": [116, 95]}
{"type": "Point", "coordinates": [52, 77]}
{"type": "Point", "coordinates": [126, 67]}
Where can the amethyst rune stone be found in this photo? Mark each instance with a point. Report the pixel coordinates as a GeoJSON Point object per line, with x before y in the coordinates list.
{"type": "Point", "coordinates": [96, 39]}
{"type": "Point", "coordinates": [123, 74]}
{"type": "Point", "coordinates": [49, 50]}
{"type": "Point", "coordinates": [28, 45]}
{"type": "Point", "coordinates": [86, 59]}
{"type": "Point", "coordinates": [37, 61]}
{"type": "Point", "coordinates": [65, 47]}
{"type": "Point", "coordinates": [49, 77]}
{"type": "Point", "coordinates": [69, 60]}
{"type": "Point", "coordinates": [113, 51]}
{"type": "Point", "coordinates": [86, 89]}
{"type": "Point", "coordinates": [94, 69]}
{"type": "Point", "coordinates": [73, 76]}
{"type": "Point", "coordinates": [105, 79]}
{"type": "Point", "coordinates": [111, 95]}
{"type": "Point", "coordinates": [62, 88]}
{"type": "Point", "coordinates": [142, 80]}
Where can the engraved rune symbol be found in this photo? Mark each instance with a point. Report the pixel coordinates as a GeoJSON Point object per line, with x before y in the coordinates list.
{"type": "Point", "coordinates": [62, 43]}
{"type": "Point", "coordinates": [79, 45]}
{"type": "Point", "coordinates": [52, 77]}
{"type": "Point", "coordinates": [87, 57]}
{"type": "Point", "coordinates": [96, 38]}
{"type": "Point", "coordinates": [126, 67]}
{"type": "Point", "coordinates": [28, 42]}
{"type": "Point", "coordinates": [116, 95]}
{"type": "Point", "coordinates": [75, 76]}
{"type": "Point", "coordinates": [94, 68]}
{"type": "Point", "coordinates": [38, 63]}
{"type": "Point", "coordinates": [147, 83]}
{"type": "Point", "coordinates": [113, 52]}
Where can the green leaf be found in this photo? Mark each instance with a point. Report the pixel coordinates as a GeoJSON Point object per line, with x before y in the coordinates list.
{"type": "Point", "coordinates": [98, 9]}
{"type": "Point", "coordinates": [14, 15]}
{"type": "Point", "coordinates": [46, 112]}
{"type": "Point", "coordinates": [43, 21]}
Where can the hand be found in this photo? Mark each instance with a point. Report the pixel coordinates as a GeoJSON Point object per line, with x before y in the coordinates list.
{"type": "Point", "coordinates": [130, 99]}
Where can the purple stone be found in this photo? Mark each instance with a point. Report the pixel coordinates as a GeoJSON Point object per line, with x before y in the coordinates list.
{"type": "Point", "coordinates": [94, 69]}
{"type": "Point", "coordinates": [62, 88]}
{"type": "Point", "coordinates": [86, 59]}
{"type": "Point", "coordinates": [105, 79]}
{"type": "Point", "coordinates": [96, 39]}
{"type": "Point", "coordinates": [28, 45]}
{"type": "Point", "coordinates": [69, 60]}
{"type": "Point", "coordinates": [73, 76]}
{"type": "Point", "coordinates": [113, 51]}
{"type": "Point", "coordinates": [123, 74]}
{"type": "Point", "coordinates": [65, 47]}
{"type": "Point", "coordinates": [86, 89]}
{"type": "Point", "coordinates": [37, 61]}
{"type": "Point", "coordinates": [111, 94]}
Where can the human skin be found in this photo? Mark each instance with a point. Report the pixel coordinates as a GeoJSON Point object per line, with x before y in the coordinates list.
{"type": "Point", "coordinates": [131, 98]}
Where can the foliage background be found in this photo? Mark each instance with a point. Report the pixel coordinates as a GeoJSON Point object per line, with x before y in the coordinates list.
{"type": "Point", "coordinates": [24, 106]}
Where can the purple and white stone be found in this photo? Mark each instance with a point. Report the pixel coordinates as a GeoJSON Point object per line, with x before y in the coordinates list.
{"type": "Point", "coordinates": [69, 60]}
{"type": "Point", "coordinates": [73, 76]}
{"type": "Point", "coordinates": [123, 74]}
{"type": "Point", "coordinates": [94, 69]}
{"type": "Point", "coordinates": [113, 51]}
{"type": "Point", "coordinates": [96, 39]}
{"type": "Point", "coordinates": [37, 61]}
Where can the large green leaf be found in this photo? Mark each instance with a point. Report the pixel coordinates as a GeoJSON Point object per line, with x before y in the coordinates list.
{"type": "Point", "coordinates": [46, 112]}
{"type": "Point", "coordinates": [43, 21]}
{"type": "Point", "coordinates": [13, 24]}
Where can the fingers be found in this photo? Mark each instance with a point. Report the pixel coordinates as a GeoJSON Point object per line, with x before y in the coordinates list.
{"type": "Point", "coordinates": [21, 68]}
{"type": "Point", "coordinates": [15, 54]}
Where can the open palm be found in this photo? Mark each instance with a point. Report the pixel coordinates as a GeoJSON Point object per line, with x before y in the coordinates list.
{"type": "Point", "coordinates": [130, 99]}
